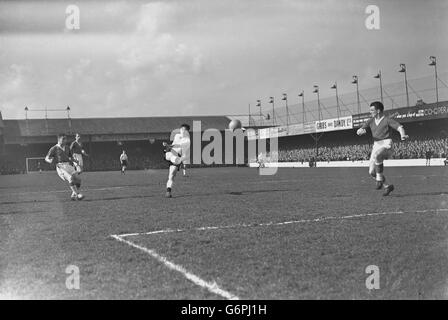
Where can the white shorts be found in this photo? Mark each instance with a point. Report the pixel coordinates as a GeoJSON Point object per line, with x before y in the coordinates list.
{"type": "Point", "coordinates": [65, 171]}
{"type": "Point", "coordinates": [381, 150]}
{"type": "Point", "coordinates": [78, 157]}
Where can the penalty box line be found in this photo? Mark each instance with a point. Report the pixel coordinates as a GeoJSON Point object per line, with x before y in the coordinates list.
{"type": "Point", "coordinates": [210, 286]}
{"type": "Point", "coordinates": [267, 224]}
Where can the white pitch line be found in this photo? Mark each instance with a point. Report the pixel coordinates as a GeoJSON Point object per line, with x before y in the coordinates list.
{"type": "Point", "coordinates": [254, 225]}
{"type": "Point", "coordinates": [65, 191]}
{"type": "Point", "coordinates": [210, 286]}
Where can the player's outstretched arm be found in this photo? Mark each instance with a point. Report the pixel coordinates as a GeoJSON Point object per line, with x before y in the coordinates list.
{"type": "Point", "coordinates": [50, 155]}
{"type": "Point", "coordinates": [403, 134]}
{"type": "Point", "coordinates": [397, 126]}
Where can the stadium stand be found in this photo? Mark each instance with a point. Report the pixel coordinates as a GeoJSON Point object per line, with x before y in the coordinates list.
{"type": "Point", "coordinates": [104, 139]}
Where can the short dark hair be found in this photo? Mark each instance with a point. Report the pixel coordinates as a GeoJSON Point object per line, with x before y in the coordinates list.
{"type": "Point", "coordinates": [186, 126]}
{"type": "Point", "coordinates": [60, 135]}
{"type": "Point", "coordinates": [378, 105]}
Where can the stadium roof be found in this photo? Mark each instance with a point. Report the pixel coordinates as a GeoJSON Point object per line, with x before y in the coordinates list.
{"type": "Point", "coordinates": [46, 127]}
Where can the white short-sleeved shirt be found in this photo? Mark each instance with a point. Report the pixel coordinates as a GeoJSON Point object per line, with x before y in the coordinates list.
{"type": "Point", "coordinates": [181, 144]}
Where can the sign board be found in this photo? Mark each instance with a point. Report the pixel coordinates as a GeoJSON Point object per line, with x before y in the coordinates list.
{"type": "Point", "coordinates": [342, 123]}
{"type": "Point", "coordinates": [417, 113]}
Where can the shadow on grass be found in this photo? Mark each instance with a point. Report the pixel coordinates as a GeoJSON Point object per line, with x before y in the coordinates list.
{"type": "Point", "coordinates": [436, 193]}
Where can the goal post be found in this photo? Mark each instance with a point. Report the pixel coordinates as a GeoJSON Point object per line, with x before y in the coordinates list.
{"type": "Point", "coordinates": [37, 164]}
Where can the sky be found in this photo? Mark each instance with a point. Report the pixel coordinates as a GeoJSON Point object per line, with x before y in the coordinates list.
{"type": "Point", "coordinates": [205, 57]}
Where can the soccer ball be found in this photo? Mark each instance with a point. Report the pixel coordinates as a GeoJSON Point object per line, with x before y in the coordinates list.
{"type": "Point", "coordinates": [235, 124]}
{"type": "Point", "coordinates": [80, 196]}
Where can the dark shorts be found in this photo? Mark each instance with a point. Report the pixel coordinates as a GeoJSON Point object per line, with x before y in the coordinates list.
{"type": "Point", "coordinates": [169, 163]}
{"type": "Point", "coordinates": [124, 163]}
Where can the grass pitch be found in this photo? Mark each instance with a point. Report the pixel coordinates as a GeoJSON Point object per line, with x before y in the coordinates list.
{"type": "Point", "coordinates": [227, 232]}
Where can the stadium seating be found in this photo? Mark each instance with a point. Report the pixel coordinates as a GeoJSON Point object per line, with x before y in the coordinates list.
{"type": "Point", "coordinates": [143, 155]}
{"type": "Point", "coordinates": [411, 149]}
{"type": "Point", "coordinates": [148, 154]}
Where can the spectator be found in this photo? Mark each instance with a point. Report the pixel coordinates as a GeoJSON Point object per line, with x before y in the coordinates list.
{"type": "Point", "coordinates": [428, 155]}
{"type": "Point", "coordinates": [410, 149]}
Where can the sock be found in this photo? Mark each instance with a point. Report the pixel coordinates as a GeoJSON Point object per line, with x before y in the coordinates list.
{"type": "Point", "coordinates": [379, 172]}
{"type": "Point", "coordinates": [73, 188]}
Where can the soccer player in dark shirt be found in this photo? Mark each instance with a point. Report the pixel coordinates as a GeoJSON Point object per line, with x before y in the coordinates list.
{"type": "Point", "coordinates": [77, 152]}
{"type": "Point", "coordinates": [60, 154]}
{"type": "Point", "coordinates": [381, 129]}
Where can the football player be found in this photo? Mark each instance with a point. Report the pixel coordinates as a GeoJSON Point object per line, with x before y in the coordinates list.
{"type": "Point", "coordinates": [176, 153]}
{"type": "Point", "coordinates": [78, 152]}
{"type": "Point", "coordinates": [381, 129]}
{"type": "Point", "coordinates": [124, 162]}
{"type": "Point", "coordinates": [60, 154]}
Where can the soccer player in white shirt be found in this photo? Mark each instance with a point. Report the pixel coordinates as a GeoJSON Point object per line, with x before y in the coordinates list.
{"type": "Point", "coordinates": [124, 162]}
{"type": "Point", "coordinates": [176, 153]}
{"type": "Point", "coordinates": [260, 160]}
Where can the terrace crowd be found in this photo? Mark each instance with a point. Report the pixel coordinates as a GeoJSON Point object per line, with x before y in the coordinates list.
{"type": "Point", "coordinates": [410, 149]}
